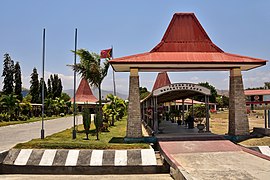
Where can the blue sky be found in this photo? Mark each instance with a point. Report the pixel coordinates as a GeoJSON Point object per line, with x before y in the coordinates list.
{"type": "Point", "coordinates": [240, 27]}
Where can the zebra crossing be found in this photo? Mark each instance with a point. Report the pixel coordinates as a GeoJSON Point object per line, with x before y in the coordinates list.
{"type": "Point", "coordinates": [64, 157]}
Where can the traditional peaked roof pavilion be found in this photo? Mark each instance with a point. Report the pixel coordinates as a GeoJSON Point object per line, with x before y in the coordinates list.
{"type": "Point", "coordinates": [84, 94]}
{"type": "Point", "coordinates": [161, 80]}
{"type": "Point", "coordinates": [184, 46]}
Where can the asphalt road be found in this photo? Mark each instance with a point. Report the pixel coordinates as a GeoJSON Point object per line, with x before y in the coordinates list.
{"type": "Point", "coordinates": [14, 134]}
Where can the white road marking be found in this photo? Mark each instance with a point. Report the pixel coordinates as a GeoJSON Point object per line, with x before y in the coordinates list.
{"type": "Point", "coordinates": [47, 158]}
{"type": "Point", "coordinates": [148, 157]}
{"type": "Point", "coordinates": [23, 157]}
{"type": "Point", "coordinates": [72, 157]}
{"type": "Point", "coordinates": [120, 158]}
{"type": "Point", "coordinates": [96, 158]}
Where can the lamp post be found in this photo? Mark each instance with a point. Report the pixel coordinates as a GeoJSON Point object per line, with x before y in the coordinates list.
{"type": "Point", "coordinates": [74, 90]}
{"type": "Point", "coordinates": [42, 94]}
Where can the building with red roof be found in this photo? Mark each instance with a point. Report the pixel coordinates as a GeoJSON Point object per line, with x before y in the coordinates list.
{"type": "Point", "coordinates": [257, 98]}
{"type": "Point", "coordinates": [84, 95]}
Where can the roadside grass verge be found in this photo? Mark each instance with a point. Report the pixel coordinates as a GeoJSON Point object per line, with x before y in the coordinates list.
{"type": "Point", "coordinates": [108, 140]}
{"type": "Point", "coordinates": [33, 119]}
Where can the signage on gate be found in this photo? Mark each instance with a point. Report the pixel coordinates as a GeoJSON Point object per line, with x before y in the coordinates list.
{"type": "Point", "coordinates": [182, 87]}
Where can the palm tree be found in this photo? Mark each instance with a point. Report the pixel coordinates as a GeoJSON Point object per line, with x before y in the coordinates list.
{"type": "Point", "coordinates": [10, 103]}
{"type": "Point", "coordinates": [116, 108]}
{"type": "Point", "coordinates": [90, 67]}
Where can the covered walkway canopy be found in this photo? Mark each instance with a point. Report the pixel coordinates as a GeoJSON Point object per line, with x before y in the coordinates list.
{"type": "Point", "coordinates": [186, 46]}
{"type": "Point", "coordinates": [163, 91]}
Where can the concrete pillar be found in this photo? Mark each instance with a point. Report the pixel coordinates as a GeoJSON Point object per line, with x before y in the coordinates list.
{"type": "Point", "coordinates": [134, 127]}
{"type": "Point", "coordinates": [207, 113]}
{"type": "Point", "coordinates": [183, 111]}
{"type": "Point", "coordinates": [238, 120]}
{"type": "Point", "coordinates": [155, 114]}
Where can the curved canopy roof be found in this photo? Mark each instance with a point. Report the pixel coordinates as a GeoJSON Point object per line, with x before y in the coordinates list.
{"type": "Point", "coordinates": [185, 46]}
{"type": "Point", "coordinates": [166, 92]}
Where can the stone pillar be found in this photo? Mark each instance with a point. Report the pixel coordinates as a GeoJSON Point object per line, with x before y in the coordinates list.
{"type": "Point", "coordinates": [238, 120]}
{"type": "Point", "coordinates": [155, 114]}
{"type": "Point", "coordinates": [134, 127]}
{"type": "Point", "coordinates": [207, 113]}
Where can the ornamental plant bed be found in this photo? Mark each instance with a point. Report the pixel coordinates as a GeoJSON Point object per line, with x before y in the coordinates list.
{"type": "Point", "coordinates": [108, 140]}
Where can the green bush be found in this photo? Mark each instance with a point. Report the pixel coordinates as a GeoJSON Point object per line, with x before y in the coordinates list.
{"type": "Point", "coordinates": [4, 117]}
{"type": "Point", "coordinates": [23, 118]}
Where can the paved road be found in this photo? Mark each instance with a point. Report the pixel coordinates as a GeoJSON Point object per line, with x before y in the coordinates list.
{"type": "Point", "coordinates": [89, 177]}
{"type": "Point", "coordinates": [14, 134]}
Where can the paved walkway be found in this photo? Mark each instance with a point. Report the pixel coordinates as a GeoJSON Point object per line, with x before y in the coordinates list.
{"type": "Point", "coordinates": [215, 160]}
{"type": "Point", "coordinates": [14, 134]}
{"type": "Point", "coordinates": [204, 156]}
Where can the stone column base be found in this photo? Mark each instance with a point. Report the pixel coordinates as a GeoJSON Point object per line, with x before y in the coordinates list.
{"type": "Point", "coordinates": [238, 120]}
{"type": "Point", "coordinates": [134, 126]}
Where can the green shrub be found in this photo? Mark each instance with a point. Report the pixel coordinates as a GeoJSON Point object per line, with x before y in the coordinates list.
{"type": "Point", "coordinates": [4, 117]}
{"type": "Point", "coordinates": [23, 118]}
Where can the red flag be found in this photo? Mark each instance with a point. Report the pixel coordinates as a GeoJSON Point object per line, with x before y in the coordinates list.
{"type": "Point", "coordinates": [106, 53]}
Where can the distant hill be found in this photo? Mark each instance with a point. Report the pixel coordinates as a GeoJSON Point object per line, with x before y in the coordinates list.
{"type": "Point", "coordinates": [95, 92]}
{"type": "Point", "coordinates": [223, 92]}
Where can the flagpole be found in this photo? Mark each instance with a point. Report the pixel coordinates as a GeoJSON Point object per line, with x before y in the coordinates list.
{"type": "Point", "coordinates": [74, 90]}
{"type": "Point", "coordinates": [42, 93]}
{"type": "Point", "coordinates": [114, 87]}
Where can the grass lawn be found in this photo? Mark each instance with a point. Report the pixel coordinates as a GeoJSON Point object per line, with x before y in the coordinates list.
{"type": "Point", "coordinates": [108, 140]}
{"type": "Point", "coordinates": [33, 119]}
{"type": "Point", "coordinates": [264, 141]}
{"type": "Point", "coordinates": [219, 125]}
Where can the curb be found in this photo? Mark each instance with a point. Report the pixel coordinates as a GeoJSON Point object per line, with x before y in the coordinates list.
{"type": "Point", "coordinates": [64, 161]}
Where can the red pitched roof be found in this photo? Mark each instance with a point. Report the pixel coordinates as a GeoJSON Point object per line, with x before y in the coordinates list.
{"type": "Point", "coordinates": [257, 92]}
{"type": "Point", "coordinates": [84, 93]}
{"type": "Point", "coordinates": [185, 45]}
{"type": "Point", "coordinates": [161, 80]}
{"type": "Point", "coordinates": [185, 34]}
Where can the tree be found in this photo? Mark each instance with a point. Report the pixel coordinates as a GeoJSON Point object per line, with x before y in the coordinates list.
{"type": "Point", "coordinates": [91, 68]}
{"type": "Point", "coordinates": [8, 70]}
{"type": "Point", "coordinates": [56, 86]}
{"type": "Point", "coordinates": [18, 81]}
{"type": "Point", "coordinates": [65, 97]}
{"type": "Point", "coordinates": [115, 109]}
{"type": "Point", "coordinates": [34, 88]}
{"type": "Point", "coordinates": [49, 89]}
{"type": "Point", "coordinates": [11, 104]}
{"type": "Point", "coordinates": [213, 90]}
{"type": "Point", "coordinates": [86, 121]}
{"type": "Point", "coordinates": [143, 92]}
{"type": "Point", "coordinates": [40, 90]}
{"type": "Point", "coordinates": [267, 85]}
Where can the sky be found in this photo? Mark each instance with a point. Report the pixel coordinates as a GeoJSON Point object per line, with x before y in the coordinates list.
{"type": "Point", "coordinates": [131, 27]}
